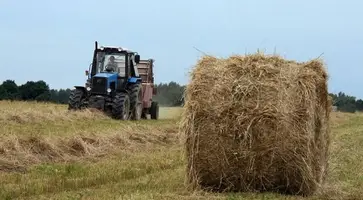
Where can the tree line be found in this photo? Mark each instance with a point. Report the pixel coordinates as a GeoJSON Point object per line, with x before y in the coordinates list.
{"type": "Point", "coordinates": [346, 103]}
{"type": "Point", "coordinates": [168, 94]}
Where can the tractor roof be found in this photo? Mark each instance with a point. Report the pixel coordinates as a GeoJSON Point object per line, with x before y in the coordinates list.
{"type": "Point", "coordinates": [115, 48]}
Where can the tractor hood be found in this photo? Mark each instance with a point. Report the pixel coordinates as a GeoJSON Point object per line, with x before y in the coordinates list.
{"type": "Point", "coordinates": [106, 75]}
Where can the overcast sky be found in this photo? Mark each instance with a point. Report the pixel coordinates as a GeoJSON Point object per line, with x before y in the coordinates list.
{"type": "Point", "coordinates": [54, 40]}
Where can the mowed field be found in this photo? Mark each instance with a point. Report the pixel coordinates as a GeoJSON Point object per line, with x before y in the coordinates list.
{"type": "Point", "coordinates": [47, 152]}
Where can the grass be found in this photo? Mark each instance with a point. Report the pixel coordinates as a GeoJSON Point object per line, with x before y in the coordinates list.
{"type": "Point", "coordinates": [131, 160]}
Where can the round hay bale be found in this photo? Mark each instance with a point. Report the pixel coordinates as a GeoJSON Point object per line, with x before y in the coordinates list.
{"type": "Point", "coordinates": [257, 123]}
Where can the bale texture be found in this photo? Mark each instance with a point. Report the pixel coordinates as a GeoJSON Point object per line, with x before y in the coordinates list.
{"type": "Point", "coordinates": [257, 123]}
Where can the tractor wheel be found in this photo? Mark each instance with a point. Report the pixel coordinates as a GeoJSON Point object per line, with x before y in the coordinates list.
{"type": "Point", "coordinates": [136, 101]}
{"type": "Point", "coordinates": [154, 110]}
{"type": "Point", "coordinates": [136, 114]}
{"type": "Point", "coordinates": [121, 106]}
{"type": "Point", "coordinates": [76, 98]}
{"type": "Point", "coordinates": [143, 114]}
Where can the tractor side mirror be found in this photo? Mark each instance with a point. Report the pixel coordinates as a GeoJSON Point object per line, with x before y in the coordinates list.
{"type": "Point", "coordinates": [155, 91]}
{"type": "Point", "coordinates": [137, 59]}
{"type": "Point", "coordinates": [87, 72]}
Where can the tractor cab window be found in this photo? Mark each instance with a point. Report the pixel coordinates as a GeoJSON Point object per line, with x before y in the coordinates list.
{"type": "Point", "coordinates": [114, 62]}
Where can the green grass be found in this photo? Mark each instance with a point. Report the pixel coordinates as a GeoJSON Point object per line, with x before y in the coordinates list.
{"type": "Point", "coordinates": [147, 168]}
{"type": "Point", "coordinates": [53, 179]}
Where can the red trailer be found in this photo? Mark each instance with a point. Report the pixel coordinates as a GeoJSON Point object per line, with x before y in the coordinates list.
{"type": "Point", "coordinates": [145, 70]}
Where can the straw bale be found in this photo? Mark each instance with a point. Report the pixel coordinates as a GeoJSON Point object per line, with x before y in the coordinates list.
{"type": "Point", "coordinates": [257, 123]}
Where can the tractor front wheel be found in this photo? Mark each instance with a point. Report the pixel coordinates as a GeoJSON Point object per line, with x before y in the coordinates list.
{"type": "Point", "coordinates": [121, 106]}
{"type": "Point", "coordinates": [76, 99]}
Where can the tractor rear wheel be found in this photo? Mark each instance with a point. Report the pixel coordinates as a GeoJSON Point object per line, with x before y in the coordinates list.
{"type": "Point", "coordinates": [136, 101]}
{"type": "Point", "coordinates": [121, 106]}
{"type": "Point", "coordinates": [154, 110]}
{"type": "Point", "coordinates": [136, 114]}
{"type": "Point", "coordinates": [76, 99]}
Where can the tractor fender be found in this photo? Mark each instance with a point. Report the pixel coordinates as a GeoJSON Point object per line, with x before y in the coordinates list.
{"type": "Point", "coordinates": [134, 80]}
{"type": "Point", "coordinates": [81, 88]}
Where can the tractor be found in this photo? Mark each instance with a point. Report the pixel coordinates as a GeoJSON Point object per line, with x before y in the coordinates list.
{"type": "Point", "coordinates": [119, 84]}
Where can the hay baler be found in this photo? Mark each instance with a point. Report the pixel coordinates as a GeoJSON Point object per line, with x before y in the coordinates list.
{"type": "Point", "coordinates": [118, 83]}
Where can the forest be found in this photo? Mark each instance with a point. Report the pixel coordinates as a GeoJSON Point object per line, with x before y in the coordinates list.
{"type": "Point", "coordinates": [168, 94]}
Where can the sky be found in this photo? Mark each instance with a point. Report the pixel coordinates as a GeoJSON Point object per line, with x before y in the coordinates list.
{"type": "Point", "coordinates": [54, 40]}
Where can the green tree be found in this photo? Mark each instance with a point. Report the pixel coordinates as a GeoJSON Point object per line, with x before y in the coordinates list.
{"type": "Point", "coordinates": [63, 95]}
{"type": "Point", "coordinates": [3, 93]}
{"type": "Point", "coordinates": [54, 96]}
{"type": "Point", "coordinates": [169, 94]}
{"type": "Point", "coordinates": [10, 90]}
{"type": "Point", "coordinates": [31, 90]}
{"type": "Point", "coordinates": [359, 104]}
{"type": "Point", "coordinates": [346, 103]}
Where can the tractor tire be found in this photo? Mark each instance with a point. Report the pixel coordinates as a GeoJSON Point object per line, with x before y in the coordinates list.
{"type": "Point", "coordinates": [75, 100]}
{"type": "Point", "coordinates": [144, 114]}
{"type": "Point", "coordinates": [154, 110]}
{"type": "Point", "coordinates": [121, 106]}
{"type": "Point", "coordinates": [136, 101]}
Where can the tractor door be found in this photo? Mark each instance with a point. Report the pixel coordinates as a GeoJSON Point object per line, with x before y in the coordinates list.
{"type": "Point", "coordinates": [133, 66]}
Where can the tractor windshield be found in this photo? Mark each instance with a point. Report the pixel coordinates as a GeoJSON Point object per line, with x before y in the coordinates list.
{"type": "Point", "coordinates": [111, 62]}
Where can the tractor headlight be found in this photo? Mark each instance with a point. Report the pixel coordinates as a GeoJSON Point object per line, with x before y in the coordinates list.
{"type": "Point", "coordinates": [88, 88]}
{"type": "Point", "coordinates": [108, 90]}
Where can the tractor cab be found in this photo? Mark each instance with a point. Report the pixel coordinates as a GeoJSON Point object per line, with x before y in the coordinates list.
{"type": "Point", "coordinates": [112, 68]}
{"type": "Point", "coordinates": [115, 60]}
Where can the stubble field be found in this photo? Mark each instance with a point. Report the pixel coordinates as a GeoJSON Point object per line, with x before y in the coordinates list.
{"type": "Point", "coordinates": [47, 152]}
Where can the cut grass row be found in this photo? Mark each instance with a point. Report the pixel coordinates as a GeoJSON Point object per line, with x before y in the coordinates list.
{"type": "Point", "coordinates": [29, 119]}
{"type": "Point", "coordinates": [83, 135]}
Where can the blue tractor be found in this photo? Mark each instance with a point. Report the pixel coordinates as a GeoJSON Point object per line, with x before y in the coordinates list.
{"type": "Point", "coordinates": [113, 84]}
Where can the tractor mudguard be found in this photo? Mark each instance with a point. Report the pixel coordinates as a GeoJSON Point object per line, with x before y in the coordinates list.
{"type": "Point", "coordinates": [81, 88]}
{"type": "Point", "coordinates": [133, 80]}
